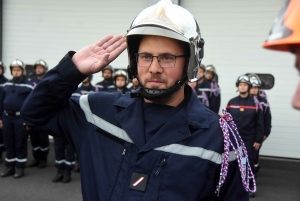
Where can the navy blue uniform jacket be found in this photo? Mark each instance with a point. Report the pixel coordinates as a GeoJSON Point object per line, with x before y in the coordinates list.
{"type": "Point", "coordinates": [182, 160]}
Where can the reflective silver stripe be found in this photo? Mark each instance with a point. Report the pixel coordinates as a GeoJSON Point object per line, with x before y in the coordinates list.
{"type": "Point", "coordinates": [196, 151]}
{"type": "Point", "coordinates": [111, 86]}
{"type": "Point", "coordinates": [101, 123]}
{"type": "Point", "coordinates": [17, 113]}
{"type": "Point", "coordinates": [36, 148]}
{"type": "Point", "coordinates": [1, 145]}
{"type": "Point", "coordinates": [21, 160]}
{"type": "Point", "coordinates": [19, 85]}
{"type": "Point", "coordinates": [10, 160]}
{"type": "Point", "coordinates": [100, 86]}
{"type": "Point", "coordinates": [70, 163]}
{"type": "Point", "coordinates": [1, 85]}
{"type": "Point", "coordinates": [199, 96]}
{"type": "Point", "coordinates": [42, 149]}
{"type": "Point", "coordinates": [204, 89]}
{"type": "Point", "coordinates": [76, 94]}
{"type": "Point", "coordinates": [66, 162]}
{"type": "Point", "coordinates": [59, 162]}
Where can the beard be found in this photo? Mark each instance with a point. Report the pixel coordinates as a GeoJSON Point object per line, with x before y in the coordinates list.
{"type": "Point", "coordinates": [154, 77]}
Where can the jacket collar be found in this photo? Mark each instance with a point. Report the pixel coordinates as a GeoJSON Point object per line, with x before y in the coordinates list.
{"type": "Point", "coordinates": [192, 114]}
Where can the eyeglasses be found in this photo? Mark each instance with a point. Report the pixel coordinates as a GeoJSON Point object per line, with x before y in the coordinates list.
{"type": "Point", "coordinates": [164, 60]}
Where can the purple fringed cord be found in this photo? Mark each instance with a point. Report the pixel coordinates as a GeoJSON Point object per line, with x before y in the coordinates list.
{"type": "Point", "coordinates": [240, 153]}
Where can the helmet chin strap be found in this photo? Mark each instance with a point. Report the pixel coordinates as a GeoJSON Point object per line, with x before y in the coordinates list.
{"type": "Point", "coordinates": [158, 94]}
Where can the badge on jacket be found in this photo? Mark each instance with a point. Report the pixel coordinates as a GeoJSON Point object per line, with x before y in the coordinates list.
{"type": "Point", "coordinates": [138, 181]}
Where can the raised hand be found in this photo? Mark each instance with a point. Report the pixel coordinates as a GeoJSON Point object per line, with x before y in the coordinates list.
{"type": "Point", "coordinates": [95, 57]}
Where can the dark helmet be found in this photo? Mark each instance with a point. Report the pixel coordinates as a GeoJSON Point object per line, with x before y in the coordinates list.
{"type": "Point", "coordinates": [41, 63]}
{"type": "Point", "coordinates": [2, 66]}
{"type": "Point", "coordinates": [254, 80]}
{"type": "Point", "coordinates": [168, 20]}
{"type": "Point", "coordinates": [243, 78]}
{"type": "Point", "coordinates": [17, 63]}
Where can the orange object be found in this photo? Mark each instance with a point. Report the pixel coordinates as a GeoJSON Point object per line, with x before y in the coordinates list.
{"type": "Point", "coordinates": [286, 28]}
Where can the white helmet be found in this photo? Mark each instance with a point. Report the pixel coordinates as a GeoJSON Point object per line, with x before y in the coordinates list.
{"type": "Point", "coordinates": [3, 67]}
{"type": "Point", "coordinates": [120, 73]}
{"type": "Point", "coordinates": [254, 79]}
{"type": "Point", "coordinates": [172, 21]}
{"type": "Point", "coordinates": [17, 63]}
{"type": "Point", "coordinates": [41, 63]}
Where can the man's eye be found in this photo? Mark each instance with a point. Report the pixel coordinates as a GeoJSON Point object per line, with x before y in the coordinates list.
{"type": "Point", "coordinates": [145, 56]}
{"type": "Point", "coordinates": [167, 57]}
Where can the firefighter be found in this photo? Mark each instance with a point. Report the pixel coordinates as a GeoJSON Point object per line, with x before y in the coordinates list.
{"type": "Point", "coordinates": [248, 117]}
{"type": "Point", "coordinates": [39, 141]}
{"type": "Point", "coordinates": [214, 93]}
{"type": "Point", "coordinates": [15, 135]}
{"type": "Point", "coordinates": [285, 36]}
{"type": "Point", "coordinates": [135, 84]}
{"type": "Point", "coordinates": [3, 79]}
{"type": "Point", "coordinates": [132, 146]}
{"type": "Point", "coordinates": [86, 87]}
{"type": "Point", "coordinates": [120, 80]}
{"type": "Point", "coordinates": [264, 105]}
{"type": "Point", "coordinates": [203, 87]}
{"type": "Point", "coordinates": [108, 82]}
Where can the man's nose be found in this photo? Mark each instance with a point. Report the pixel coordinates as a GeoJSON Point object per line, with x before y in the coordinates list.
{"type": "Point", "coordinates": [155, 66]}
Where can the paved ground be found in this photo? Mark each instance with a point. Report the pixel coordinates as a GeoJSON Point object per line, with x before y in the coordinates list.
{"type": "Point", "coordinates": [278, 180]}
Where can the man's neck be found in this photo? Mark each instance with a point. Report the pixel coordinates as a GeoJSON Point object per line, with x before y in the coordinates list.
{"type": "Point", "coordinates": [39, 77]}
{"type": "Point", "coordinates": [173, 101]}
{"type": "Point", "coordinates": [244, 95]}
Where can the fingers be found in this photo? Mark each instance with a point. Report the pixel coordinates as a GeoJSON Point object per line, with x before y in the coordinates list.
{"type": "Point", "coordinates": [109, 41]}
{"type": "Point", "coordinates": [104, 40]}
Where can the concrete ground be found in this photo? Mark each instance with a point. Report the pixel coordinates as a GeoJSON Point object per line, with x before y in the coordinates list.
{"type": "Point", "coordinates": [278, 180]}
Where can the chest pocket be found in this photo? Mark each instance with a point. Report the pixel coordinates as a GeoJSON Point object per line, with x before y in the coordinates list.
{"type": "Point", "coordinates": [114, 154]}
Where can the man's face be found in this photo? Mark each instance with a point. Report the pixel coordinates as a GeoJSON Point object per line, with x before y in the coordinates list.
{"type": "Point", "coordinates": [17, 72]}
{"type": "Point", "coordinates": [296, 99]}
{"type": "Point", "coordinates": [254, 90]}
{"type": "Point", "coordinates": [39, 70]}
{"type": "Point", "coordinates": [120, 81]}
{"type": "Point", "coordinates": [107, 74]}
{"type": "Point", "coordinates": [243, 87]}
{"type": "Point", "coordinates": [1, 70]}
{"type": "Point", "coordinates": [209, 75]}
{"type": "Point", "coordinates": [200, 73]}
{"type": "Point", "coordinates": [154, 76]}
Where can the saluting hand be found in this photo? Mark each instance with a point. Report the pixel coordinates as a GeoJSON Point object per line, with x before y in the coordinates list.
{"type": "Point", "coordinates": [94, 58]}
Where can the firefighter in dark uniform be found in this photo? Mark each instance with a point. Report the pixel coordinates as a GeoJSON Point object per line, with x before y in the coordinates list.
{"type": "Point", "coordinates": [108, 82]}
{"type": "Point", "coordinates": [120, 80]}
{"type": "Point", "coordinates": [203, 87]}
{"type": "Point", "coordinates": [3, 79]}
{"type": "Point", "coordinates": [264, 105]}
{"type": "Point", "coordinates": [215, 93]}
{"type": "Point", "coordinates": [248, 116]}
{"type": "Point", "coordinates": [39, 140]}
{"type": "Point", "coordinates": [15, 135]}
{"type": "Point", "coordinates": [135, 84]}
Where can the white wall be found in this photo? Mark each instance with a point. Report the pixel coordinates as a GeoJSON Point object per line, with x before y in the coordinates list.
{"type": "Point", "coordinates": [234, 31]}
{"type": "Point", "coordinates": [41, 29]}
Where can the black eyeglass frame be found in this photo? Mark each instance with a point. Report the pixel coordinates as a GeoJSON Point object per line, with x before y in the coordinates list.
{"type": "Point", "coordinates": [175, 56]}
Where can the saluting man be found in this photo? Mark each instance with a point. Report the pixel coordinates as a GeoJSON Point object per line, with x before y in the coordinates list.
{"type": "Point", "coordinates": [15, 135]}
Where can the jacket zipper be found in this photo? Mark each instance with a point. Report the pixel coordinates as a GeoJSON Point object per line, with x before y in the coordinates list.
{"type": "Point", "coordinates": [158, 171]}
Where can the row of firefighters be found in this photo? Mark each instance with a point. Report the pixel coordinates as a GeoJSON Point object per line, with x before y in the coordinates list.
{"type": "Point", "coordinates": [250, 111]}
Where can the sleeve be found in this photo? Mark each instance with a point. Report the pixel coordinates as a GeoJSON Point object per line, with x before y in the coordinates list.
{"type": "Point", "coordinates": [232, 188]}
{"type": "Point", "coordinates": [215, 100]}
{"type": "Point", "coordinates": [259, 118]}
{"type": "Point", "coordinates": [268, 122]}
{"type": "Point", "coordinates": [57, 114]}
